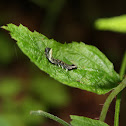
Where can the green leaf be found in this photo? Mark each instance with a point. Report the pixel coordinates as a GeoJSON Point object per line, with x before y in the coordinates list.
{"type": "Point", "coordinates": [116, 24]}
{"type": "Point", "coordinates": [94, 71]}
{"type": "Point", "coordinates": [84, 121]}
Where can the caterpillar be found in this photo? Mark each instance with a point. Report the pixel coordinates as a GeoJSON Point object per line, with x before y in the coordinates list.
{"type": "Point", "coordinates": [48, 53]}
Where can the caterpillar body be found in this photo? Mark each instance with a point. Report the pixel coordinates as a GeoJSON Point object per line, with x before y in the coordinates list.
{"type": "Point", "coordinates": [48, 53]}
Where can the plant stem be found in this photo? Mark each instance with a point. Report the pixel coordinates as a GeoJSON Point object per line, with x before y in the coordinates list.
{"type": "Point", "coordinates": [117, 109]}
{"type": "Point", "coordinates": [48, 115]}
{"type": "Point", "coordinates": [118, 99]}
{"type": "Point", "coordinates": [123, 67]}
{"type": "Point", "coordinates": [119, 88]}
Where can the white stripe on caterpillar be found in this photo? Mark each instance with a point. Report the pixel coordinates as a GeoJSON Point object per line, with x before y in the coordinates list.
{"type": "Point", "coordinates": [48, 53]}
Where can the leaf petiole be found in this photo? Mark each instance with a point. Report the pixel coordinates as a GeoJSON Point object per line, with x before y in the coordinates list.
{"type": "Point", "coordinates": [118, 99]}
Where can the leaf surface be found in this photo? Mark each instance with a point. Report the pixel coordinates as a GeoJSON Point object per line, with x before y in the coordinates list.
{"type": "Point", "coordinates": [84, 121]}
{"type": "Point", "coordinates": [94, 71]}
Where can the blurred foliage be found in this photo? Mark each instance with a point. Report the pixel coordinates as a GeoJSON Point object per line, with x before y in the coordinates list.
{"type": "Point", "coordinates": [9, 87]}
{"type": "Point", "coordinates": [41, 3]}
{"type": "Point", "coordinates": [53, 9]}
{"type": "Point", "coordinates": [11, 119]}
{"type": "Point", "coordinates": [116, 24]}
{"type": "Point", "coordinates": [28, 104]}
{"type": "Point", "coordinates": [42, 94]}
{"type": "Point", "coordinates": [50, 91]}
{"type": "Point", "coordinates": [6, 49]}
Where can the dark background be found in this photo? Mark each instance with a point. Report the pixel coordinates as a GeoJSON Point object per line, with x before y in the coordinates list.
{"type": "Point", "coordinates": [23, 87]}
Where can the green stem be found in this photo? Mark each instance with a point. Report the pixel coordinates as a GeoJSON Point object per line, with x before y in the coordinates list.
{"type": "Point", "coordinates": [118, 99]}
{"type": "Point", "coordinates": [123, 67]}
{"type": "Point", "coordinates": [119, 88]}
{"type": "Point", "coordinates": [117, 109]}
{"type": "Point", "coordinates": [48, 115]}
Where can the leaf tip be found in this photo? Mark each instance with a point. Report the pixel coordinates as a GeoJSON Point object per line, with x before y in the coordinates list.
{"type": "Point", "coordinates": [6, 27]}
{"type": "Point", "coordinates": [3, 27]}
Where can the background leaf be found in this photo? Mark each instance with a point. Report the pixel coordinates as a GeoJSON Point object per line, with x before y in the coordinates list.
{"type": "Point", "coordinates": [10, 120]}
{"type": "Point", "coordinates": [116, 24]}
{"type": "Point", "coordinates": [94, 71]}
{"type": "Point", "coordinates": [9, 87]}
{"type": "Point", "coordinates": [42, 85]}
{"type": "Point", "coordinates": [8, 52]}
{"type": "Point", "coordinates": [84, 121]}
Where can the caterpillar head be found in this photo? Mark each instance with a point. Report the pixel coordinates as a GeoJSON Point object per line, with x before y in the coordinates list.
{"type": "Point", "coordinates": [48, 52]}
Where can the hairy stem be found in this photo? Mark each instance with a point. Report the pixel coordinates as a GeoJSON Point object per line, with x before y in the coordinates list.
{"type": "Point", "coordinates": [48, 115]}
{"type": "Point", "coordinates": [118, 99]}
{"type": "Point", "coordinates": [123, 67]}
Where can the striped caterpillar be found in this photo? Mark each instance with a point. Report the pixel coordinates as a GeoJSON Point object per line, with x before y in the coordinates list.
{"type": "Point", "coordinates": [48, 53]}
